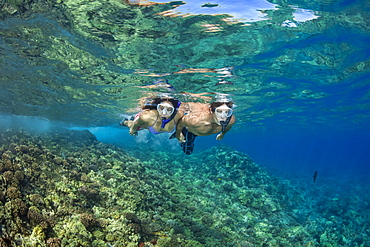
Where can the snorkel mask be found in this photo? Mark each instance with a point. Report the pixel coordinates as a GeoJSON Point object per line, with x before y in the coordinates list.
{"type": "Point", "coordinates": [165, 109]}
{"type": "Point", "coordinates": [223, 112]}
{"type": "Point", "coordinates": [223, 115]}
{"type": "Point", "coordinates": [222, 108]}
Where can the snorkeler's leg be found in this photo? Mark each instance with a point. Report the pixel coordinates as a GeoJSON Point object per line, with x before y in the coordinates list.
{"type": "Point", "coordinates": [188, 145]}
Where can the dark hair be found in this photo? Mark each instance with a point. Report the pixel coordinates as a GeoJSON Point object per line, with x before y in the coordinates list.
{"type": "Point", "coordinates": [152, 103]}
{"type": "Point", "coordinates": [214, 105]}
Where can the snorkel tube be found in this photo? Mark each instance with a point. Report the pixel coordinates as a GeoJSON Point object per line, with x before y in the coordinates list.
{"type": "Point", "coordinates": [225, 123]}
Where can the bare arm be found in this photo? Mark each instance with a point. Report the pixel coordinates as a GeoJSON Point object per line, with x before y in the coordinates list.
{"type": "Point", "coordinates": [181, 124]}
{"type": "Point", "coordinates": [228, 127]}
{"type": "Point", "coordinates": [134, 126]}
{"type": "Point", "coordinates": [143, 120]}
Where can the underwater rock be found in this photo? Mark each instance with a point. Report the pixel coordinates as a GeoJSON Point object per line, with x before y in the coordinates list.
{"type": "Point", "coordinates": [22, 148]}
{"type": "Point", "coordinates": [35, 216]}
{"type": "Point", "coordinates": [54, 242]}
{"type": "Point", "coordinates": [207, 220]}
{"type": "Point", "coordinates": [36, 199]}
{"type": "Point", "coordinates": [132, 217]}
{"type": "Point", "coordinates": [8, 176]}
{"type": "Point", "coordinates": [17, 207]}
{"type": "Point", "coordinates": [89, 193]}
{"type": "Point", "coordinates": [88, 220]}
{"type": "Point", "coordinates": [19, 176]}
{"type": "Point", "coordinates": [13, 193]}
{"type": "Point", "coordinates": [135, 227]}
{"type": "Point", "coordinates": [37, 237]}
{"type": "Point", "coordinates": [4, 242]}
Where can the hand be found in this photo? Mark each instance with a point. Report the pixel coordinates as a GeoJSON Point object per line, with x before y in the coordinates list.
{"type": "Point", "coordinates": [219, 137]}
{"type": "Point", "coordinates": [133, 132]}
{"type": "Point", "coordinates": [181, 138]}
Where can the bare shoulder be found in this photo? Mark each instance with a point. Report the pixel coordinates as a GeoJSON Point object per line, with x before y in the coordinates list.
{"type": "Point", "coordinates": [148, 115]}
{"type": "Point", "coordinates": [179, 115]}
{"type": "Point", "coordinates": [198, 107]}
{"type": "Point", "coordinates": [232, 120]}
{"type": "Point", "coordinates": [196, 118]}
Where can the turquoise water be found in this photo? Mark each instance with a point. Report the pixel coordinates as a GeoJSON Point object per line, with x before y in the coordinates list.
{"type": "Point", "coordinates": [298, 72]}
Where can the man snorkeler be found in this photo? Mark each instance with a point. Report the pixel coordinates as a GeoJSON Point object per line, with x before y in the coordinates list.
{"type": "Point", "coordinates": [204, 120]}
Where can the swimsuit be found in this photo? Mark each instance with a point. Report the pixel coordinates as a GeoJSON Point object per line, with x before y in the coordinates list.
{"type": "Point", "coordinates": [151, 128]}
{"type": "Point", "coordinates": [153, 131]}
{"type": "Point", "coordinates": [188, 145]}
{"type": "Point", "coordinates": [164, 121]}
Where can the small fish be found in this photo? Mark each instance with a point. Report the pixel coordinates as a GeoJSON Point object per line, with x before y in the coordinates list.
{"type": "Point", "coordinates": [315, 176]}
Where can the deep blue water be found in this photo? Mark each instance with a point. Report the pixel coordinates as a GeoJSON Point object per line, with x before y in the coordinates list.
{"type": "Point", "coordinates": [298, 153]}
{"type": "Point", "coordinates": [290, 154]}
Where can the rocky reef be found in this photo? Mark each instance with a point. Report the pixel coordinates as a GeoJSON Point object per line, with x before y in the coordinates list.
{"type": "Point", "coordinates": [65, 188]}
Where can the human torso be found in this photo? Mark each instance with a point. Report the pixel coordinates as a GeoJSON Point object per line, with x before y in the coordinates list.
{"type": "Point", "coordinates": [153, 122]}
{"type": "Point", "coordinates": [156, 128]}
{"type": "Point", "coordinates": [201, 124]}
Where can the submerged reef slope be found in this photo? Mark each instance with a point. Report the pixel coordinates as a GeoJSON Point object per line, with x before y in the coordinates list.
{"type": "Point", "coordinates": [260, 209]}
{"type": "Point", "coordinates": [65, 188]}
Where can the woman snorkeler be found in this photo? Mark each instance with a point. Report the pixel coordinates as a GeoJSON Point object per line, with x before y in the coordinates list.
{"type": "Point", "coordinates": [159, 115]}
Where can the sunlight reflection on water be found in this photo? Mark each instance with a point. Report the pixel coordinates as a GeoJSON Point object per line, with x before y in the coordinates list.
{"type": "Point", "coordinates": [239, 11]}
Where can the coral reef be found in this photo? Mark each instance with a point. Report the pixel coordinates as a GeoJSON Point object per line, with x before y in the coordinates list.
{"type": "Point", "coordinates": [64, 188]}
{"type": "Point", "coordinates": [224, 190]}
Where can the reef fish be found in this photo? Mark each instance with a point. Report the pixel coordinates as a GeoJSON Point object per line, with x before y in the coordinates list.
{"type": "Point", "coordinates": [315, 176]}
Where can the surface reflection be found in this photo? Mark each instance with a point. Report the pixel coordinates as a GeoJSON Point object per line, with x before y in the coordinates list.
{"type": "Point", "coordinates": [223, 75]}
{"type": "Point", "coordinates": [89, 68]}
{"type": "Point", "coordinates": [239, 11]}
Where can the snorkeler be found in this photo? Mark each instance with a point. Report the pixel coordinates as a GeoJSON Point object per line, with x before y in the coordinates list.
{"type": "Point", "coordinates": [204, 120]}
{"type": "Point", "coordinates": [160, 115]}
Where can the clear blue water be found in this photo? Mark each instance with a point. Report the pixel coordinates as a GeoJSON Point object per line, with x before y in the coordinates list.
{"type": "Point", "coordinates": [300, 73]}
{"type": "Point", "coordinates": [300, 77]}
